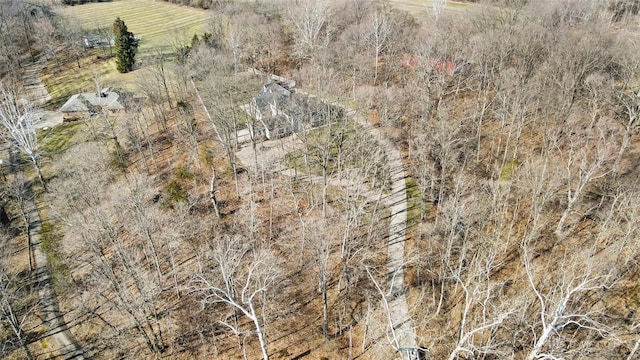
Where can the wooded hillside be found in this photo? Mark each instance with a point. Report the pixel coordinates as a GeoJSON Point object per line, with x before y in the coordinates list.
{"type": "Point", "coordinates": [456, 185]}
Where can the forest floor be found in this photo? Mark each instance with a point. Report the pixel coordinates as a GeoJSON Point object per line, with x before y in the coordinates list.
{"type": "Point", "coordinates": [270, 155]}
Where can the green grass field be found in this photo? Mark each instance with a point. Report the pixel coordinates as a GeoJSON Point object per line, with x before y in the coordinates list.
{"type": "Point", "coordinates": [158, 24]}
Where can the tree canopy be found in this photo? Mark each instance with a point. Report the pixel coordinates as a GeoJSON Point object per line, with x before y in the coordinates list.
{"type": "Point", "coordinates": [126, 46]}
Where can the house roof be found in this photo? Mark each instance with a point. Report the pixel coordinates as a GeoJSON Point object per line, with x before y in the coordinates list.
{"type": "Point", "coordinates": [107, 100]}
{"type": "Point", "coordinates": [272, 93]}
{"type": "Point", "coordinates": [279, 111]}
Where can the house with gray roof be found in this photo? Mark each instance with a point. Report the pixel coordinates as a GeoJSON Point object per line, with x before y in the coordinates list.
{"type": "Point", "coordinates": [89, 104]}
{"type": "Point", "coordinates": [278, 111]}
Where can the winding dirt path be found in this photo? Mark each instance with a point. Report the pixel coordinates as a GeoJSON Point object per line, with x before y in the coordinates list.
{"type": "Point", "coordinates": [37, 93]}
{"type": "Point", "coordinates": [57, 332]}
{"type": "Point", "coordinates": [65, 346]}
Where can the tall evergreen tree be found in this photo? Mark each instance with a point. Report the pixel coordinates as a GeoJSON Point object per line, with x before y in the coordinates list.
{"type": "Point", "coordinates": [125, 46]}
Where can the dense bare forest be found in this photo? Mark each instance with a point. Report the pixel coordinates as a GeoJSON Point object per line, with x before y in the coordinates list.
{"type": "Point", "coordinates": [448, 184]}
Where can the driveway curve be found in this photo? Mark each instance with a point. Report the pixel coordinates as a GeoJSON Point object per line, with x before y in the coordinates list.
{"type": "Point", "coordinates": [404, 336]}
{"type": "Point", "coordinates": [404, 332]}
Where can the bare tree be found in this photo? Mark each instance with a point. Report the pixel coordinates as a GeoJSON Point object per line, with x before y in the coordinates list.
{"type": "Point", "coordinates": [235, 39]}
{"type": "Point", "coordinates": [321, 245]}
{"type": "Point", "coordinates": [14, 304]}
{"type": "Point", "coordinates": [17, 190]}
{"type": "Point", "coordinates": [125, 277]}
{"type": "Point", "coordinates": [560, 303]}
{"type": "Point", "coordinates": [312, 23]}
{"type": "Point", "coordinates": [106, 34]}
{"type": "Point", "coordinates": [381, 27]}
{"type": "Point", "coordinates": [121, 282]}
{"type": "Point", "coordinates": [212, 191]}
{"type": "Point", "coordinates": [584, 166]}
{"type": "Point", "coordinates": [483, 312]}
{"type": "Point", "coordinates": [390, 331]}
{"type": "Point", "coordinates": [10, 56]}
{"type": "Point", "coordinates": [18, 124]}
{"type": "Point", "coordinates": [318, 153]}
{"type": "Point", "coordinates": [225, 119]}
{"type": "Point", "coordinates": [159, 74]}
{"type": "Point", "coordinates": [72, 33]}
{"type": "Point", "coordinates": [137, 133]}
{"type": "Point", "coordinates": [630, 104]}
{"type": "Point", "coordinates": [438, 6]}
{"type": "Point", "coordinates": [240, 278]}
{"type": "Point", "coordinates": [47, 35]}
{"type": "Point", "coordinates": [155, 86]}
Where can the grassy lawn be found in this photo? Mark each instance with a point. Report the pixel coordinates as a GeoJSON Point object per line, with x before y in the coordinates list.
{"type": "Point", "coordinates": [158, 24]}
{"type": "Point", "coordinates": [51, 245]}
{"type": "Point", "coordinates": [322, 143]}
{"type": "Point", "coordinates": [420, 7]}
{"type": "Point", "coordinates": [57, 140]}
{"type": "Point", "coordinates": [414, 202]}
{"type": "Point", "coordinates": [66, 79]}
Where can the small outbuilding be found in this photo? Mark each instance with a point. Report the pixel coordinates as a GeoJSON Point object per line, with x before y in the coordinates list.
{"type": "Point", "coordinates": [90, 104]}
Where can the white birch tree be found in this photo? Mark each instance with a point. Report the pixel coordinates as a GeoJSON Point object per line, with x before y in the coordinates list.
{"type": "Point", "coordinates": [17, 122]}
{"type": "Point", "coordinates": [241, 277]}
{"type": "Point", "coordinates": [312, 28]}
{"type": "Point", "coordinates": [380, 29]}
{"type": "Point", "coordinates": [559, 301]}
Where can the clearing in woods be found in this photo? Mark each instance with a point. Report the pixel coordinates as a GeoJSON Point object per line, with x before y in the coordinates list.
{"type": "Point", "coordinates": [158, 24]}
{"type": "Point", "coordinates": [423, 7]}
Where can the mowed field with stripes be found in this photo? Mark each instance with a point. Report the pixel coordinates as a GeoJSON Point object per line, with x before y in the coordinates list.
{"type": "Point", "coordinates": [158, 24]}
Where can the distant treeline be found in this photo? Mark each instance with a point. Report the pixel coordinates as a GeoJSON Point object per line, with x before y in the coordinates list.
{"type": "Point", "coordinates": [201, 4]}
{"type": "Point", "coordinates": [80, 2]}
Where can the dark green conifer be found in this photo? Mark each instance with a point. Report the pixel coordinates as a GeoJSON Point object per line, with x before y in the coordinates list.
{"type": "Point", "coordinates": [126, 46]}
